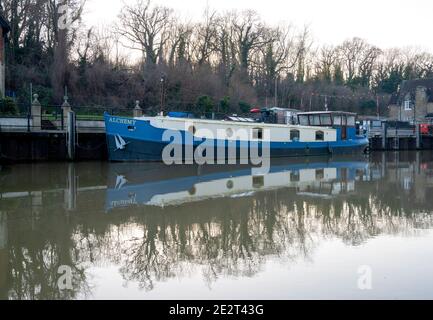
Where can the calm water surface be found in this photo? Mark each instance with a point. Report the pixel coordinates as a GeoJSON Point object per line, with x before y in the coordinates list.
{"type": "Point", "coordinates": [146, 231]}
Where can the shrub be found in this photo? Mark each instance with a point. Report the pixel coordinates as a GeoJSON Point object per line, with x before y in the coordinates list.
{"type": "Point", "coordinates": [244, 107]}
{"type": "Point", "coordinates": [8, 106]}
{"type": "Point", "coordinates": [205, 104]}
{"type": "Point", "coordinates": [225, 104]}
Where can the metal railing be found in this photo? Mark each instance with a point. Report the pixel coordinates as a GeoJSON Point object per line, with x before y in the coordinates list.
{"type": "Point", "coordinates": [52, 118]}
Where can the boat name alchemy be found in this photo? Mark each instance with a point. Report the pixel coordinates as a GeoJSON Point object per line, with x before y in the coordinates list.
{"type": "Point", "coordinates": [129, 122]}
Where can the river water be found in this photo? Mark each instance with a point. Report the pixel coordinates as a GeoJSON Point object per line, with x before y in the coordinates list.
{"type": "Point", "coordinates": [317, 228]}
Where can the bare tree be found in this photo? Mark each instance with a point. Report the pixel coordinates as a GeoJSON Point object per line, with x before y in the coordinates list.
{"type": "Point", "coordinates": [249, 34]}
{"type": "Point", "coordinates": [328, 56]}
{"type": "Point", "coordinates": [147, 27]}
{"type": "Point", "coordinates": [205, 37]}
{"type": "Point", "coordinates": [359, 58]}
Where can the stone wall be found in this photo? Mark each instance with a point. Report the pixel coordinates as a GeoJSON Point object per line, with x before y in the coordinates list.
{"type": "Point", "coordinates": [421, 101]}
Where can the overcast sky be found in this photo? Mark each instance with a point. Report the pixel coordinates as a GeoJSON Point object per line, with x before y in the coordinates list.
{"type": "Point", "coordinates": [385, 23]}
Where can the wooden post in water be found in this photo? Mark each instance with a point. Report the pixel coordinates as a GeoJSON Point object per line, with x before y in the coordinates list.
{"type": "Point", "coordinates": [71, 131]}
{"type": "Point", "coordinates": [3, 231]}
{"type": "Point", "coordinates": [418, 136]}
{"type": "Point", "coordinates": [4, 261]}
{"type": "Point", "coordinates": [384, 132]}
{"type": "Point", "coordinates": [71, 189]}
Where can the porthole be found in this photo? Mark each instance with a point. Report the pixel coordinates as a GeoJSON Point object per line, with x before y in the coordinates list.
{"type": "Point", "coordinates": [192, 130]}
{"type": "Point", "coordinates": [258, 133]}
{"type": "Point", "coordinates": [230, 184]}
{"type": "Point", "coordinates": [192, 191]}
{"type": "Point", "coordinates": [229, 132]}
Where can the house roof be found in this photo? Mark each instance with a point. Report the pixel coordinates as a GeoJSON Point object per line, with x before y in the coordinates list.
{"type": "Point", "coordinates": [4, 24]}
{"type": "Point", "coordinates": [409, 87]}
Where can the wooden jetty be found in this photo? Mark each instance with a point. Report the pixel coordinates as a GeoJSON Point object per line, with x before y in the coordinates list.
{"type": "Point", "coordinates": [391, 136]}
{"type": "Point", "coordinates": [65, 137]}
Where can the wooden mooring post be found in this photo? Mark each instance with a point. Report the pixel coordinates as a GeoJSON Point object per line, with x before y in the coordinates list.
{"type": "Point", "coordinates": [384, 137]}
{"type": "Point", "coordinates": [418, 137]}
{"type": "Point", "coordinates": [71, 189]}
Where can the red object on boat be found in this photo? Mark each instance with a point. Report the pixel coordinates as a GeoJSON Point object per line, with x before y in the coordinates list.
{"type": "Point", "coordinates": [424, 128]}
{"type": "Point", "coordinates": [255, 110]}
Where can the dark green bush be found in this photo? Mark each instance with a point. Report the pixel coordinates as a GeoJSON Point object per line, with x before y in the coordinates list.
{"type": "Point", "coordinates": [8, 106]}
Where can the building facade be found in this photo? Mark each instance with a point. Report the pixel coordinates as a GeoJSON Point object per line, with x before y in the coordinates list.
{"type": "Point", "coordinates": [4, 30]}
{"type": "Point", "coordinates": [413, 102]}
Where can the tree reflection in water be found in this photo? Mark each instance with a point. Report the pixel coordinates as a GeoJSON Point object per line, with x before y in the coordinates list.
{"type": "Point", "coordinates": [222, 237]}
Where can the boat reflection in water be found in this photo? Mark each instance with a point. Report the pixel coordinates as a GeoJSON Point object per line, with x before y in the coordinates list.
{"type": "Point", "coordinates": [149, 231]}
{"type": "Point", "coordinates": [323, 178]}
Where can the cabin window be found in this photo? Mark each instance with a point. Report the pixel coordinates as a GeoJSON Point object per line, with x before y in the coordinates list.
{"type": "Point", "coordinates": [303, 120]}
{"type": "Point", "coordinates": [192, 130]}
{"type": "Point", "coordinates": [294, 135]}
{"type": "Point", "coordinates": [131, 128]}
{"type": "Point", "coordinates": [320, 174]}
{"type": "Point", "coordinates": [351, 121]}
{"type": "Point", "coordinates": [320, 136]}
{"type": "Point", "coordinates": [315, 120]}
{"type": "Point", "coordinates": [337, 121]}
{"type": "Point", "coordinates": [258, 133]}
{"type": "Point", "coordinates": [294, 176]}
{"type": "Point", "coordinates": [325, 120]}
{"type": "Point", "coordinates": [258, 182]}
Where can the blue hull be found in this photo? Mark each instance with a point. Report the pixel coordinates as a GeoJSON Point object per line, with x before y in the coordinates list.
{"type": "Point", "coordinates": [145, 143]}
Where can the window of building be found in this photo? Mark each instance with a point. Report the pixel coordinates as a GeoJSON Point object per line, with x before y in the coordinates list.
{"type": "Point", "coordinates": [320, 136]}
{"type": "Point", "coordinates": [294, 135]}
{"type": "Point", "coordinates": [407, 105]}
{"type": "Point", "coordinates": [258, 133]}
